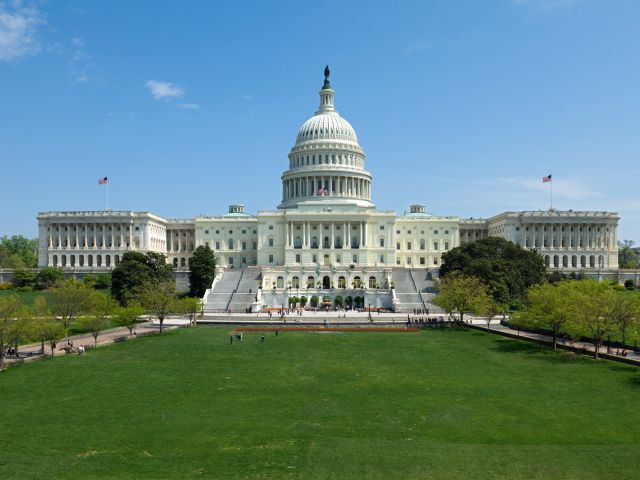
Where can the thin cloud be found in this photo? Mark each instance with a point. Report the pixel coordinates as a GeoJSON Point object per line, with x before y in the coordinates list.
{"type": "Point", "coordinates": [189, 106]}
{"type": "Point", "coordinates": [83, 68]}
{"type": "Point", "coordinates": [164, 90]}
{"type": "Point", "coordinates": [19, 24]}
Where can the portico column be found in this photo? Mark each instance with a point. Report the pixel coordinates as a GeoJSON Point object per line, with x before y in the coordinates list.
{"type": "Point", "coordinates": [365, 233]}
{"type": "Point", "coordinates": [332, 235]}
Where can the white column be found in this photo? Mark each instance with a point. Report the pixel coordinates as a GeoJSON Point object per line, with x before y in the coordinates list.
{"type": "Point", "coordinates": [332, 235]}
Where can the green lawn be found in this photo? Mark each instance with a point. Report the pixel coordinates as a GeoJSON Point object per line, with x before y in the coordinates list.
{"type": "Point", "coordinates": [443, 404]}
{"type": "Point", "coordinates": [28, 298]}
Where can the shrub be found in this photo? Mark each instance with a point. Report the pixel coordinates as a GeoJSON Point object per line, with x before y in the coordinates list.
{"type": "Point", "coordinates": [303, 301]}
{"type": "Point", "coordinates": [629, 285]}
{"type": "Point", "coordinates": [337, 301]}
{"type": "Point", "coordinates": [314, 301]}
{"type": "Point", "coordinates": [6, 286]}
{"type": "Point", "coordinates": [23, 278]}
{"type": "Point", "coordinates": [48, 277]}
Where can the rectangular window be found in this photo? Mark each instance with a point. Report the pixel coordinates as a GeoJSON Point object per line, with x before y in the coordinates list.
{"type": "Point", "coordinates": [446, 245]}
{"type": "Point", "coordinates": [255, 245]}
{"type": "Point", "coordinates": [230, 260]}
{"type": "Point", "coordinates": [217, 245]}
{"type": "Point", "coordinates": [397, 261]}
{"type": "Point", "coordinates": [397, 245]}
{"type": "Point", "coordinates": [206, 244]}
{"type": "Point", "coordinates": [408, 260]}
{"type": "Point", "coordinates": [381, 258]}
{"type": "Point", "coordinates": [355, 258]}
{"type": "Point", "coordinates": [244, 232]}
{"type": "Point", "coordinates": [297, 258]}
{"type": "Point", "coordinates": [382, 242]}
{"type": "Point", "coordinates": [435, 232]}
{"type": "Point", "coordinates": [408, 245]}
{"type": "Point", "coordinates": [446, 232]}
{"type": "Point", "coordinates": [270, 258]}
{"type": "Point", "coordinates": [206, 232]}
{"type": "Point", "coordinates": [244, 245]}
{"type": "Point", "coordinates": [381, 227]}
{"type": "Point", "coordinates": [271, 242]}
{"type": "Point", "coordinates": [270, 227]}
{"type": "Point", "coordinates": [421, 260]}
{"type": "Point", "coordinates": [314, 258]}
{"type": "Point", "coordinates": [435, 245]}
{"type": "Point", "coordinates": [435, 261]}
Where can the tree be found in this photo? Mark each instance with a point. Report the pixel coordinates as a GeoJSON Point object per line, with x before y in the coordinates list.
{"type": "Point", "coordinates": [135, 272]}
{"type": "Point", "coordinates": [504, 267]}
{"type": "Point", "coordinates": [303, 301]}
{"type": "Point", "coordinates": [18, 252]}
{"type": "Point", "coordinates": [592, 314]}
{"type": "Point", "coordinates": [624, 310]}
{"type": "Point", "coordinates": [68, 300]}
{"type": "Point", "coordinates": [98, 281]}
{"type": "Point", "coordinates": [101, 307]}
{"type": "Point", "coordinates": [462, 294]}
{"type": "Point", "coordinates": [24, 278]}
{"type": "Point", "coordinates": [550, 307]}
{"type": "Point", "coordinates": [627, 257]}
{"type": "Point", "coordinates": [188, 306]}
{"type": "Point", "coordinates": [490, 308]}
{"type": "Point", "coordinates": [128, 316]}
{"type": "Point", "coordinates": [12, 323]}
{"type": "Point", "coordinates": [159, 300]}
{"type": "Point", "coordinates": [202, 270]}
{"type": "Point", "coordinates": [49, 331]}
{"type": "Point", "coordinates": [48, 276]}
{"type": "Point", "coordinates": [314, 301]}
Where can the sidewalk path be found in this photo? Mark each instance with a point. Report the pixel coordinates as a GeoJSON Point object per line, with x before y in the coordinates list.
{"type": "Point", "coordinates": [631, 357]}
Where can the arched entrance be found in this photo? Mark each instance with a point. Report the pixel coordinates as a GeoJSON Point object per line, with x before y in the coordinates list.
{"type": "Point", "coordinates": [326, 282]}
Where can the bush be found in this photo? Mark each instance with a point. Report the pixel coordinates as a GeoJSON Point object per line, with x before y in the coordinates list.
{"type": "Point", "coordinates": [629, 285]}
{"type": "Point", "coordinates": [99, 281]}
{"type": "Point", "coordinates": [48, 277]}
{"type": "Point", "coordinates": [23, 278]}
{"type": "Point", "coordinates": [337, 301]}
{"type": "Point", "coordinates": [348, 301]}
{"type": "Point", "coordinates": [314, 301]}
{"type": "Point", "coordinates": [303, 301]}
{"type": "Point", "coordinates": [6, 286]}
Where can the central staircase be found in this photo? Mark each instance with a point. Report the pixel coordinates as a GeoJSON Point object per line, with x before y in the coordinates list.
{"type": "Point", "coordinates": [414, 289]}
{"type": "Point", "coordinates": [234, 291]}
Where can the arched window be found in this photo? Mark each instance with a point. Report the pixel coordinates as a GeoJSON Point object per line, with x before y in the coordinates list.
{"type": "Point", "coordinates": [547, 262]}
{"type": "Point", "coordinates": [357, 282]}
{"type": "Point", "coordinates": [422, 244]}
{"type": "Point", "coordinates": [116, 260]}
{"type": "Point", "coordinates": [565, 261]}
{"type": "Point", "coordinates": [583, 261]}
{"type": "Point", "coordinates": [81, 260]}
{"type": "Point", "coordinates": [107, 260]}
{"type": "Point", "coordinates": [175, 262]}
{"type": "Point", "coordinates": [574, 261]}
{"type": "Point", "coordinates": [230, 244]}
{"type": "Point", "coordinates": [372, 282]}
{"type": "Point", "coordinates": [183, 262]}
{"type": "Point", "coordinates": [311, 282]}
{"type": "Point", "coordinates": [64, 260]}
{"type": "Point", "coordinates": [55, 260]}
{"type": "Point", "coordinates": [98, 260]}
{"type": "Point", "coordinates": [295, 282]}
{"type": "Point", "coordinates": [72, 259]}
{"type": "Point", "coordinates": [90, 260]}
{"type": "Point", "coordinates": [280, 282]}
{"type": "Point", "coordinates": [342, 283]}
{"type": "Point", "coordinates": [556, 261]}
{"type": "Point", "coordinates": [592, 261]}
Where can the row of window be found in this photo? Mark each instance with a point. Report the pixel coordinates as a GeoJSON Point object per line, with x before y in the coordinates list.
{"type": "Point", "coordinates": [328, 160]}
{"type": "Point", "coordinates": [422, 245]}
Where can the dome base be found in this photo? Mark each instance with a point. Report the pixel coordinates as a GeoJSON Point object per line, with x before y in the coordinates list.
{"type": "Point", "coordinates": [327, 202]}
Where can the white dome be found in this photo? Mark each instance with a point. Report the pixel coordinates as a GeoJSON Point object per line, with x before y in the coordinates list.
{"type": "Point", "coordinates": [326, 126]}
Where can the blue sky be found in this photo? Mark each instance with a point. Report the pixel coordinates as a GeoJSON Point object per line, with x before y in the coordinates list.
{"type": "Point", "coordinates": [190, 106]}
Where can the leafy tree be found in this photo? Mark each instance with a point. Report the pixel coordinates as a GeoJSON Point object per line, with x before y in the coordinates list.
{"type": "Point", "coordinates": [48, 276]}
{"type": "Point", "coordinates": [159, 300]}
{"type": "Point", "coordinates": [624, 310]}
{"type": "Point", "coordinates": [303, 301]}
{"type": "Point", "coordinates": [128, 316]}
{"type": "Point", "coordinates": [461, 294]}
{"type": "Point", "coordinates": [338, 301]}
{"type": "Point", "coordinates": [550, 307]}
{"type": "Point", "coordinates": [504, 267]}
{"type": "Point", "coordinates": [18, 252]}
{"type": "Point", "coordinates": [629, 284]}
{"type": "Point", "coordinates": [202, 270]}
{"type": "Point", "coordinates": [98, 281]}
{"type": "Point", "coordinates": [627, 257]}
{"type": "Point", "coordinates": [314, 301]}
{"type": "Point", "coordinates": [136, 272]}
{"type": "Point", "coordinates": [592, 314]}
{"type": "Point", "coordinates": [101, 307]}
{"type": "Point", "coordinates": [24, 279]}
{"type": "Point", "coordinates": [68, 300]}
{"type": "Point", "coordinates": [188, 306]}
{"type": "Point", "coordinates": [49, 331]}
{"type": "Point", "coordinates": [12, 323]}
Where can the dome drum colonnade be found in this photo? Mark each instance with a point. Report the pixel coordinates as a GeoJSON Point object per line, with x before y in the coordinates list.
{"type": "Point", "coordinates": [326, 160]}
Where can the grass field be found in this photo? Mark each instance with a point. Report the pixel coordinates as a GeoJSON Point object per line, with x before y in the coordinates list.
{"type": "Point", "coordinates": [443, 404]}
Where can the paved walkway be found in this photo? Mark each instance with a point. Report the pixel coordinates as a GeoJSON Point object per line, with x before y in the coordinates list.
{"type": "Point", "coordinates": [497, 327]}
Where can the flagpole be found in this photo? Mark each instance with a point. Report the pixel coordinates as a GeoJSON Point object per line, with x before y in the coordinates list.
{"type": "Point", "coordinates": [107, 194]}
{"type": "Point", "coordinates": [551, 200]}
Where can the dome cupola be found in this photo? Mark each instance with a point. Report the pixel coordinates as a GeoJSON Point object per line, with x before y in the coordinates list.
{"type": "Point", "coordinates": [326, 164]}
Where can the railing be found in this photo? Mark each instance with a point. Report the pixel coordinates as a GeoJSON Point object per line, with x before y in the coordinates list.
{"type": "Point", "coordinates": [235, 289]}
{"type": "Point", "coordinates": [424, 305]}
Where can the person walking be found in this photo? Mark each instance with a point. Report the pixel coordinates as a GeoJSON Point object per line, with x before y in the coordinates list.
{"type": "Point", "coordinates": [262, 339]}
{"type": "Point", "coordinates": [231, 339]}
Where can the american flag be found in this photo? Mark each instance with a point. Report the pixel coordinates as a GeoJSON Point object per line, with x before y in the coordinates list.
{"type": "Point", "coordinates": [322, 191]}
{"type": "Point", "coordinates": [546, 179]}
{"type": "Point", "coordinates": [102, 181]}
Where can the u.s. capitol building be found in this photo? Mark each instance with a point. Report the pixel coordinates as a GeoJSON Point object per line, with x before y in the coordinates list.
{"type": "Point", "coordinates": [326, 233]}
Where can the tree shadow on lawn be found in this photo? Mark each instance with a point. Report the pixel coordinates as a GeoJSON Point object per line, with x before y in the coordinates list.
{"type": "Point", "coordinates": [539, 352]}
{"type": "Point", "coordinates": [634, 382]}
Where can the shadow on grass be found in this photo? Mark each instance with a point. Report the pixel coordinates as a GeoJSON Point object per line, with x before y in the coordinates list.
{"type": "Point", "coordinates": [540, 352]}
{"type": "Point", "coordinates": [634, 382]}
